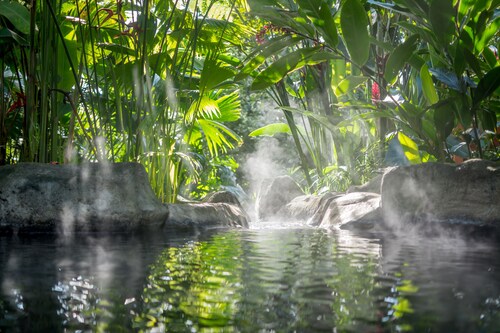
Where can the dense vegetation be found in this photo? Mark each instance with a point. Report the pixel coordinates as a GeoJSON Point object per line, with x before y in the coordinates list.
{"type": "Point", "coordinates": [173, 84]}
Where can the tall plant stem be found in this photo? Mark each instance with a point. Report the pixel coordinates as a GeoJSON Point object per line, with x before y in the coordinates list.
{"type": "Point", "coordinates": [31, 96]}
{"type": "Point", "coordinates": [3, 112]}
{"type": "Point", "coordinates": [73, 70]}
{"type": "Point", "coordinates": [474, 114]}
{"type": "Point", "coordinates": [283, 98]}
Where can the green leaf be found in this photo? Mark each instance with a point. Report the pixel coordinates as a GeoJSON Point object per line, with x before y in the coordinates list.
{"type": "Point", "coordinates": [354, 23]}
{"type": "Point", "coordinates": [319, 13]}
{"type": "Point", "coordinates": [348, 84]}
{"type": "Point", "coordinates": [229, 107]}
{"type": "Point", "coordinates": [410, 148]}
{"type": "Point", "coordinates": [265, 51]}
{"type": "Point", "coordinates": [428, 88]}
{"type": "Point", "coordinates": [17, 14]}
{"type": "Point", "coordinates": [289, 63]}
{"type": "Point", "coordinates": [473, 62]}
{"type": "Point", "coordinates": [488, 119]}
{"type": "Point", "coordinates": [217, 136]}
{"type": "Point", "coordinates": [448, 78]}
{"type": "Point", "coordinates": [441, 14]}
{"type": "Point", "coordinates": [204, 107]}
{"type": "Point", "coordinates": [271, 130]}
{"type": "Point", "coordinates": [399, 57]}
{"type": "Point", "coordinates": [444, 120]}
{"type": "Point", "coordinates": [424, 33]}
{"type": "Point", "coordinates": [6, 34]}
{"type": "Point", "coordinates": [461, 107]}
{"type": "Point", "coordinates": [320, 119]}
{"type": "Point", "coordinates": [214, 73]}
{"type": "Point", "coordinates": [490, 57]}
{"type": "Point", "coordinates": [117, 48]}
{"type": "Point", "coordinates": [490, 31]}
{"type": "Point", "coordinates": [487, 86]}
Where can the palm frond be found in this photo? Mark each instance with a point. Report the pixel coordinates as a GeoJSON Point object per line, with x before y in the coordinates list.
{"type": "Point", "coordinates": [217, 136]}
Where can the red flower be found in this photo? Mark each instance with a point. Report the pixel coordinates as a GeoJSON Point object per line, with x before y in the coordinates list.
{"type": "Point", "coordinates": [19, 103]}
{"type": "Point", "coordinates": [375, 92]}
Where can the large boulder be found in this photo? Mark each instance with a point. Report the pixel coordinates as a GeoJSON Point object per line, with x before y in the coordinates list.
{"type": "Point", "coordinates": [222, 197]}
{"type": "Point", "coordinates": [336, 211]}
{"type": "Point", "coordinates": [66, 198]}
{"type": "Point", "coordinates": [230, 197]}
{"type": "Point", "coordinates": [469, 193]}
{"type": "Point", "coordinates": [309, 208]}
{"type": "Point", "coordinates": [274, 194]}
{"type": "Point", "coordinates": [359, 210]}
{"type": "Point", "coordinates": [206, 215]}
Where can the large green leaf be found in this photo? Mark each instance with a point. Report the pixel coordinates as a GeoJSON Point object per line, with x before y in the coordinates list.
{"type": "Point", "coordinates": [264, 52]}
{"type": "Point", "coordinates": [214, 73]}
{"type": "Point", "coordinates": [487, 86]}
{"type": "Point", "coordinates": [319, 13]}
{"type": "Point", "coordinates": [488, 33]}
{"type": "Point", "coordinates": [441, 14]}
{"type": "Point", "coordinates": [399, 57]}
{"type": "Point", "coordinates": [17, 14]}
{"type": "Point", "coordinates": [204, 107]}
{"type": "Point", "coordinates": [354, 23]}
{"type": "Point", "coordinates": [229, 108]}
{"type": "Point", "coordinates": [348, 84]}
{"type": "Point", "coordinates": [289, 63]}
{"type": "Point", "coordinates": [428, 88]}
{"type": "Point", "coordinates": [488, 119]}
{"type": "Point", "coordinates": [444, 120]}
{"type": "Point", "coordinates": [271, 130]}
{"type": "Point", "coordinates": [461, 108]}
{"type": "Point", "coordinates": [218, 137]}
{"type": "Point", "coordinates": [410, 148]}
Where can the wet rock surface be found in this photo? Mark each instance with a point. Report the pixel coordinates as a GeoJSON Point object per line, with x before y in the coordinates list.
{"type": "Point", "coordinates": [343, 211]}
{"type": "Point", "coordinates": [37, 197]}
{"type": "Point", "coordinates": [206, 215]}
{"type": "Point", "coordinates": [274, 195]}
{"type": "Point", "coordinates": [462, 194]}
{"type": "Point", "coordinates": [465, 195]}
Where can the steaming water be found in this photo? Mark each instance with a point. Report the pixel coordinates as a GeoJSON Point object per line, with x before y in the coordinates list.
{"type": "Point", "coordinates": [266, 279]}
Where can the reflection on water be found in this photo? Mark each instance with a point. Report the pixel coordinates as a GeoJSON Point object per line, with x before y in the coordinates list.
{"type": "Point", "coordinates": [267, 279]}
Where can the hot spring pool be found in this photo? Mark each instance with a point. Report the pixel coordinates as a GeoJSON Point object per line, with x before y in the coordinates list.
{"type": "Point", "coordinates": [268, 279]}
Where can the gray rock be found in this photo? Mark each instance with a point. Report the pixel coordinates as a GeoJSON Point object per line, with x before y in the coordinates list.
{"type": "Point", "coordinates": [229, 197]}
{"type": "Point", "coordinates": [310, 208]}
{"type": "Point", "coordinates": [222, 197]}
{"type": "Point", "coordinates": [372, 186]}
{"type": "Point", "coordinates": [466, 193]}
{"type": "Point", "coordinates": [207, 214]}
{"type": "Point", "coordinates": [330, 210]}
{"type": "Point", "coordinates": [67, 198]}
{"type": "Point", "coordinates": [359, 210]}
{"type": "Point", "coordinates": [274, 195]}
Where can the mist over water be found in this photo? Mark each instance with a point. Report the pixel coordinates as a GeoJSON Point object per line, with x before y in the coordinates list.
{"type": "Point", "coordinates": [265, 279]}
{"type": "Point", "coordinates": [264, 163]}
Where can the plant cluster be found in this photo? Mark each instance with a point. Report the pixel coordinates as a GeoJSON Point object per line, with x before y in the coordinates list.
{"type": "Point", "coordinates": [360, 83]}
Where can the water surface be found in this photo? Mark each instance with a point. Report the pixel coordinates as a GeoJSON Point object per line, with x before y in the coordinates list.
{"type": "Point", "coordinates": [266, 279]}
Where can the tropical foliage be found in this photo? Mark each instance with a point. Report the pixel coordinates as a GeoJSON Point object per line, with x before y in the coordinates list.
{"type": "Point", "coordinates": [360, 84]}
{"type": "Point", "coordinates": [121, 81]}
{"type": "Point", "coordinates": [422, 76]}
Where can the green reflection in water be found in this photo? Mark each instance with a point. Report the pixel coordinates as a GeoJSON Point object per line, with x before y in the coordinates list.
{"type": "Point", "coordinates": [251, 282]}
{"type": "Point", "coordinates": [193, 286]}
